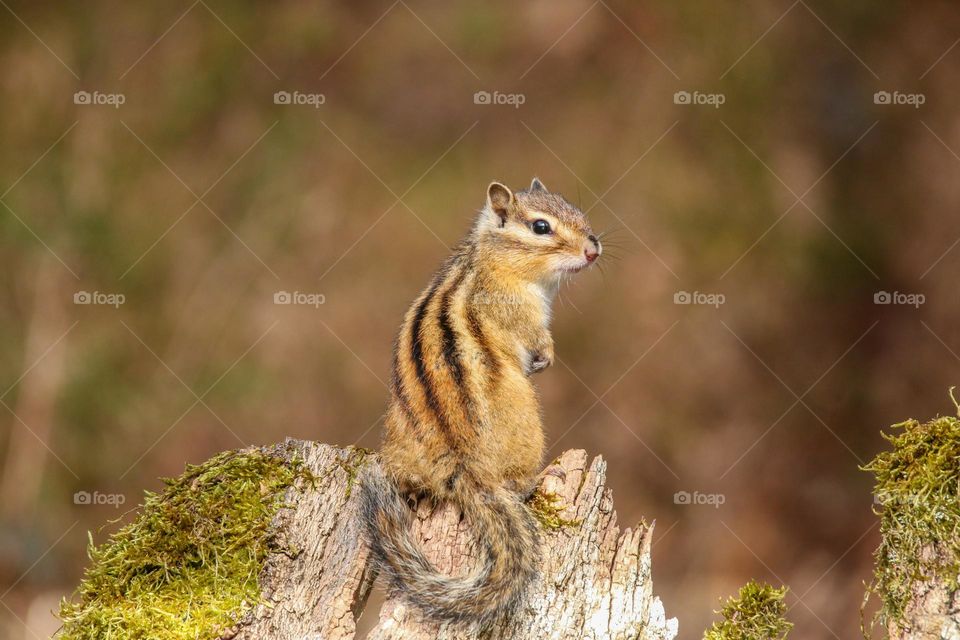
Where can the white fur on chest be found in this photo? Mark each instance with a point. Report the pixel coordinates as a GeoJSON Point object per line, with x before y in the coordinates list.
{"type": "Point", "coordinates": [545, 293]}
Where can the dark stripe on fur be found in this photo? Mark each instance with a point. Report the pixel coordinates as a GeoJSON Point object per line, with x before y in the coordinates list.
{"type": "Point", "coordinates": [452, 480]}
{"type": "Point", "coordinates": [416, 353]}
{"type": "Point", "coordinates": [399, 392]}
{"type": "Point", "coordinates": [450, 350]}
{"type": "Point", "coordinates": [490, 358]}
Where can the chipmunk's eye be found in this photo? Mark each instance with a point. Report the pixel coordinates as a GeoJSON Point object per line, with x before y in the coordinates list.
{"type": "Point", "coordinates": [540, 227]}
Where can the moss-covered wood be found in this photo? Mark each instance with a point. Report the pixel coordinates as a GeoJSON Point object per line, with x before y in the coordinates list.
{"type": "Point", "coordinates": [548, 509]}
{"type": "Point", "coordinates": [757, 613]}
{"type": "Point", "coordinates": [265, 544]}
{"type": "Point", "coordinates": [918, 501]}
{"type": "Point", "coordinates": [188, 565]}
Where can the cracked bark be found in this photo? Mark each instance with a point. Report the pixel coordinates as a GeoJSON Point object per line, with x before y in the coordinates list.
{"type": "Point", "coordinates": [595, 580]}
{"type": "Point", "coordinates": [934, 610]}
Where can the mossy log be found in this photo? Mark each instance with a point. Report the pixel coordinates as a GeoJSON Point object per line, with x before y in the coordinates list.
{"type": "Point", "coordinates": [917, 574]}
{"type": "Point", "coordinates": [314, 581]}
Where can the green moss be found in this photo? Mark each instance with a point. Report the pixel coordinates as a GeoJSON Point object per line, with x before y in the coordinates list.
{"type": "Point", "coordinates": [189, 563]}
{"type": "Point", "coordinates": [546, 509]}
{"type": "Point", "coordinates": [352, 463]}
{"type": "Point", "coordinates": [916, 495]}
{"type": "Point", "coordinates": [757, 613]}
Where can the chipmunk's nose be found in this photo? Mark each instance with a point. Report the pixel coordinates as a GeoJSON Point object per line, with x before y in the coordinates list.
{"type": "Point", "coordinates": [592, 249]}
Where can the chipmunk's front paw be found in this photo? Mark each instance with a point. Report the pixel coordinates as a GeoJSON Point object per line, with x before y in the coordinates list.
{"type": "Point", "coordinates": [539, 362]}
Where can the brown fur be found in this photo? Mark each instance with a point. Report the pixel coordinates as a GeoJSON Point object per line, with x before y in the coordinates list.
{"type": "Point", "coordinates": [464, 423]}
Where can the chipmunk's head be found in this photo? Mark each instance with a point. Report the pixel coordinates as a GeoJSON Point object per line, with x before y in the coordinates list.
{"type": "Point", "coordinates": [537, 231]}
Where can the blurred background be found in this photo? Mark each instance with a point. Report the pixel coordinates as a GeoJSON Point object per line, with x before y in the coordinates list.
{"type": "Point", "coordinates": [213, 216]}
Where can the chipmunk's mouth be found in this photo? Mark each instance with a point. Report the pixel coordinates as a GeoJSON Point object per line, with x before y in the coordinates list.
{"type": "Point", "coordinates": [574, 263]}
{"type": "Point", "coordinates": [577, 268]}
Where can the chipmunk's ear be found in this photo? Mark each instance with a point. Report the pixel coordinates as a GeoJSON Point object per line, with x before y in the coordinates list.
{"type": "Point", "coordinates": [536, 185]}
{"type": "Point", "coordinates": [500, 200]}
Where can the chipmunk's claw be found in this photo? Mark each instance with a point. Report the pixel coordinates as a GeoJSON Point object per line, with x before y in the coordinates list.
{"type": "Point", "coordinates": [539, 363]}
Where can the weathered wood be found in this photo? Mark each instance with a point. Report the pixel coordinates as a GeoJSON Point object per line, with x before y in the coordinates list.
{"type": "Point", "coordinates": [319, 593]}
{"type": "Point", "coordinates": [933, 612]}
{"type": "Point", "coordinates": [595, 581]}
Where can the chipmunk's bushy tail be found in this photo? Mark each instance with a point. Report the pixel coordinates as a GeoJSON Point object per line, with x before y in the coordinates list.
{"type": "Point", "coordinates": [502, 524]}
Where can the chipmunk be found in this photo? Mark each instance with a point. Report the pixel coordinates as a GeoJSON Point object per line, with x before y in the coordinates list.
{"type": "Point", "coordinates": [463, 423]}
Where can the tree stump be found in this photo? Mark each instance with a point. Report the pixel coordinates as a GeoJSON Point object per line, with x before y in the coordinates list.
{"type": "Point", "coordinates": [595, 580]}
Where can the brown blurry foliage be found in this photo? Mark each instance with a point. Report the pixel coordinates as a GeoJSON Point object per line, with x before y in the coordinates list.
{"type": "Point", "coordinates": [199, 198]}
